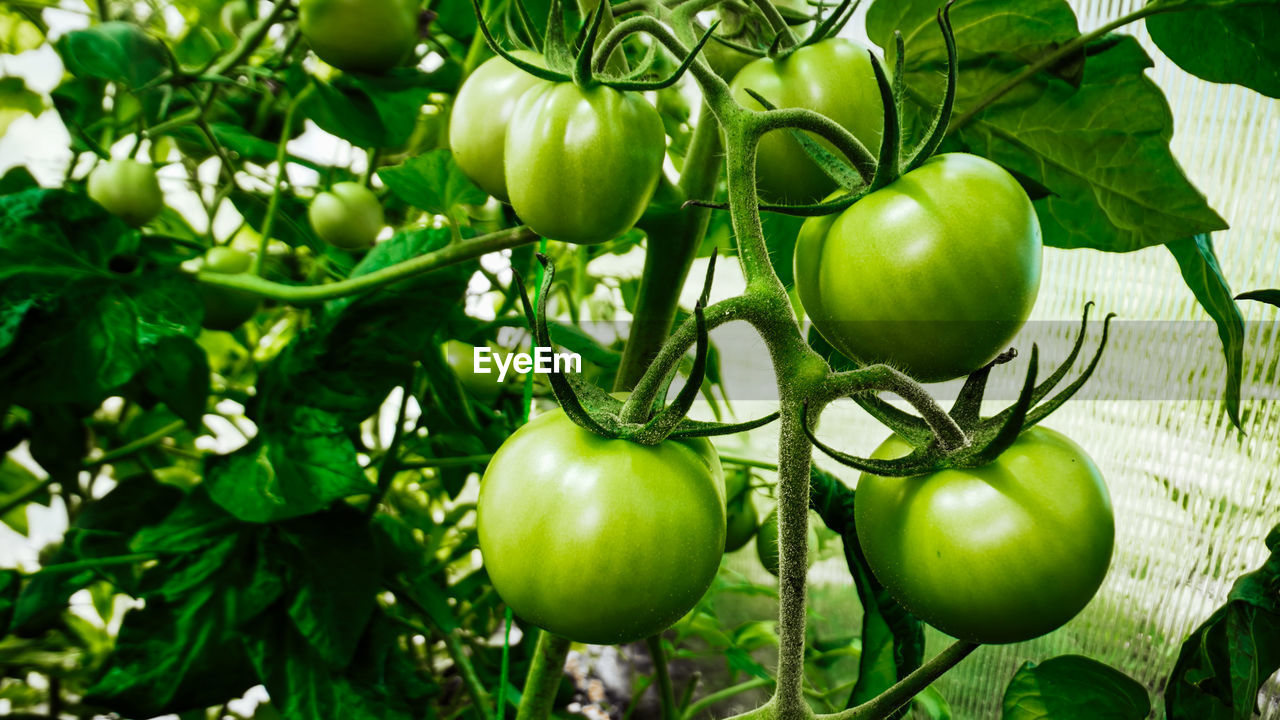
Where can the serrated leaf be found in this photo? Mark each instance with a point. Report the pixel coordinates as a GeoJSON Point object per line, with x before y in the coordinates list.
{"type": "Point", "coordinates": [1069, 687]}
{"type": "Point", "coordinates": [432, 182]}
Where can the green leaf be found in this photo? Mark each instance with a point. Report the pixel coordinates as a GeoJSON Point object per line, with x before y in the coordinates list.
{"type": "Point", "coordinates": [333, 575]}
{"type": "Point", "coordinates": [1093, 130]}
{"type": "Point", "coordinates": [17, 33]}
{"type": "Point", "coordinates": [10, 582]}
{"type": "Point", "coordinates": [72, 328]}
{"type": "Point", "coordinates": [432, 182]}
{"type": "Point", "coordinates": [1270, 297]}
{"type": "Point", "coordinates": [1231, 42]}
{"type": "Point", "coordinates": [16, 100]}
{"type": "Point", "coordinates": [121, 53]}
{"type": "Point", "coordinates": [1069, 687]}
{"type": "Point", "coordinates": [1203, 274]}
{"type": "Point", "coordinates": [178, 375]}
{"type": "Point", "coordinates": [15, 480]}
{"type": "Point", "coordinates": [370, 111]}
{"type": "Point", "coordinates": [16, 179]}
{"type": "Point", "coordinates": [1223, 664]}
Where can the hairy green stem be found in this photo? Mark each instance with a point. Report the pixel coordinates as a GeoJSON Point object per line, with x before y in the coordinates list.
{"type": "Point", "coordinates": [282, 165]}
{"type": "Point", "coordinates": [883, 378]}
{"type": "Point", "coordinates": [844, 141]}
{"type": "Point", "coordinates": [901, 693]}
{"type": "Point", "coordinates": [776, 23]}
{"type": "Point", "coordinates": [257, 32]}
{"type": "Point", "coordinates": [305, 294]}
{"type": "Point", "coordinates": [665, 692]}
{"type": "Point", "coordinates": [544, 677]}
{"type": "Point", "coordinates": [134, 446]}
{"type": "Point", "coordinates": [710, 699]}
{"type": "Point", "coordinates": [670, 252]}
{"type": "Point", "coordinates": [794, 457]}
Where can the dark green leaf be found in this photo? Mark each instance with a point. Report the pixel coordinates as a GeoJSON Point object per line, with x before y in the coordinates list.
{"type": "Point", "coordinates": [432, 182]}
{"type": "Point", "coordinates": [1231, 42]}
{"type": "Point", "coordinates": [178, 375]}
{"type": "Point", "coordinates": [1069, 687]}
{"type": "Point", "coordinates": [370, 111]}
{"type": "Point", "coordinates": [1203, 274]}
{"type": "Point", "coordinates": [16, 179]}
{"type": "Point", "coordinates": [10, 582]}
{"type": "Point", "coordinates": [1270, 297]}
{"type": "Point", "coordinates": [1224, 663]}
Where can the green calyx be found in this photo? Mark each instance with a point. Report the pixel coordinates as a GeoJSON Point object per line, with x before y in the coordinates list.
{"type": "Point", "coordinates": [985, 438]}
{"type": "Point", "coordinates": [584, 62]}
{"type": "Point", "coordinates": [640, 418]}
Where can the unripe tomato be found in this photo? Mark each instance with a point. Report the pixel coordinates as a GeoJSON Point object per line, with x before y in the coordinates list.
{"type": "Point", "coordinates": [833, 77]}
{"type": "Point", "coordinates": [461, 359]}
{"type": "Point", "coordinates": [349, 216]}
{"type": "Point", "coordinates": [227, 308]}
{"type": "Point", "coordinates": [128, 189]}
{"type": "Point", "coordinates": [741, 523]}
{"type": "Point", "coordinates": [581, 165]}
{"type": "Point", "coordinates": [1000, 554]}
{"type": "Point", "coordinates": [481, 113]}
{"type": "Point", "coordinates": [934, 273]}
{"type": "Point", "coordinates": [767, 543]}
{"type": "Point", "coordinates": [360, 35]}
{"type": "Point", "coordinates": [600, 541]}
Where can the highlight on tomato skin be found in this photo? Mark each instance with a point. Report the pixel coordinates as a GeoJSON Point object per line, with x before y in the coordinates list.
{"type": "Point", "coordinates": [999, 554]}
{"type": "Point", "coordinates": [600, 541]}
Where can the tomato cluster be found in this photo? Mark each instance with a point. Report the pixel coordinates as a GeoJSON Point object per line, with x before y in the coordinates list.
{"type": "Point", "coordinates": [578, 164]}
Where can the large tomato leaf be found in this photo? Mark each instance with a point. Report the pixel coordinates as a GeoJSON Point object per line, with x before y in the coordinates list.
{"type": "Point", "coordinates": [1092, 128]}
{"type": "Point", "coordinates": [1231, 42]}
{"type": "Point", "coordinates": [1071, 686]}
{"type": "Point", "coordinates": [1203, 274]}
{"type": "Point", "coordinates": [1224, 663]}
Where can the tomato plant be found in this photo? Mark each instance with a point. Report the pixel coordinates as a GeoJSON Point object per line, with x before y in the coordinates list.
{"type": "Point", "coordinates": [740, 509]}
{"type": "Point", "coordinates": [767, 544]}
{"type": "Point", "coordinates": [128, 189]}
{"type": "Point", "coordinates": [481, 113]}
{"type": "Point", "coordinates": [997, 554]}
{"type": "Point", "coordinates": [360, 35]}
{"type": "Point", "coordinates": [226, 308]}
{"type": "Point", "coordinates": [600, 541]}
{"type": "Point", "coordinates": [933, 274]}
{"type": "Point", "coordinates": [348, 216]}
{"type": "Point", "coordinates": [604, 149]}
{"type": "Point", "coordinates": [832, 77]}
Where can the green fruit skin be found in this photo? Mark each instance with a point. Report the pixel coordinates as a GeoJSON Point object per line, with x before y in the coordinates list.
{"type": "Point", "coordinates": [128, 189]}
{"type": "Point", "coordinates": [767, 543]}
{"type": "Point", "coordinates": [226, 308]}
{"type": "Point", "coordinates": [581, 165]}
{"type": "Point", "coordinates": [600, 541]}
{"type": "Point", "coordinates": [1000, 554]}
{"type": "Point", "coordinates": [349, 216]}
{"type": "Point", "coordinates": [360, 35]}
{"type": "Point", "coordinates": [833, 77]}
{"type": "Point", "coordinates": [934, 273]}
{"type": "Point", "coordinates": [741, 523]}
{"type": "Point", "coordinates": [481, 113]}
{"type": "Point", "coordinates": [460, 357]}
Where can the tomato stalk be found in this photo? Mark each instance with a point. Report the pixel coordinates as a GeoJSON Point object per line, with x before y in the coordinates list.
{"type": "Point", "coordinates": [544, 677]}
{"type": "Point", "coordinates": [666, 694]}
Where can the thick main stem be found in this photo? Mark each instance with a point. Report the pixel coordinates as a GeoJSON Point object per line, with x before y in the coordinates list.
{"type": "Point", "coordinates": [544, 677]}
{"type": "Point", "coordinates": [794, 455]}
{"type": "Point", "coordinates": [671, 249]}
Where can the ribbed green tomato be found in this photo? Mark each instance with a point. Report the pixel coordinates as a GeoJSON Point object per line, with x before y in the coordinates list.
{"type": "Point", "coordinates": [481, 112]}
{"type": "Point", "coordinates": [581, 165]}
{"type": "Point", "coordinates": [128, 189]}
{"type": "Point", "coordinates": [1000, 554]}
{"type": "Point", "coordinates": [934, 273]}
{"type": "Point", "coordinates": [833, 77]}
{"type": "Point", "coordinates": [360, 35]}
{"type": "Point", "coordinates": [600, 541]}
{"type": "Point", "coordinates": [349, 216]}
{"type": "Point", "coordinates": [225, 308]}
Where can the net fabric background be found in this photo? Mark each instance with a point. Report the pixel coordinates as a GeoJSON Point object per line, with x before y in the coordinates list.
{"type": "Point", "coordinates": [1193, 498]}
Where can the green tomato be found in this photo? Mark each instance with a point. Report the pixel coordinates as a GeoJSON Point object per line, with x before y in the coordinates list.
{"type": "Point", "coordinates": [581, 165]}
{"type": "Point", "coordinates": [741, 523]}
{"type": "Point", "coordinates": [349, 216]}
{"type": "Point", "coordinates": [934, 273]}
{"type": "Point", "coordinates": [767, 543]}
{"type": "Point", "coordinates": [833, 77]}
{"type": "Point", "coordinates": [360, 35]}
{"type": "Point", "coordinates": [128, 189]}
{"type": "Point", "coordinates": [226, 308]}
{"type": "Point", "coordinates": [600, 541]}
{"type": "Point", "coordinates": [481, 114]}
{"type": "Point", "coordinates": [1000, 554]}
{"type": "Point", "coordinates": [461, 359]}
